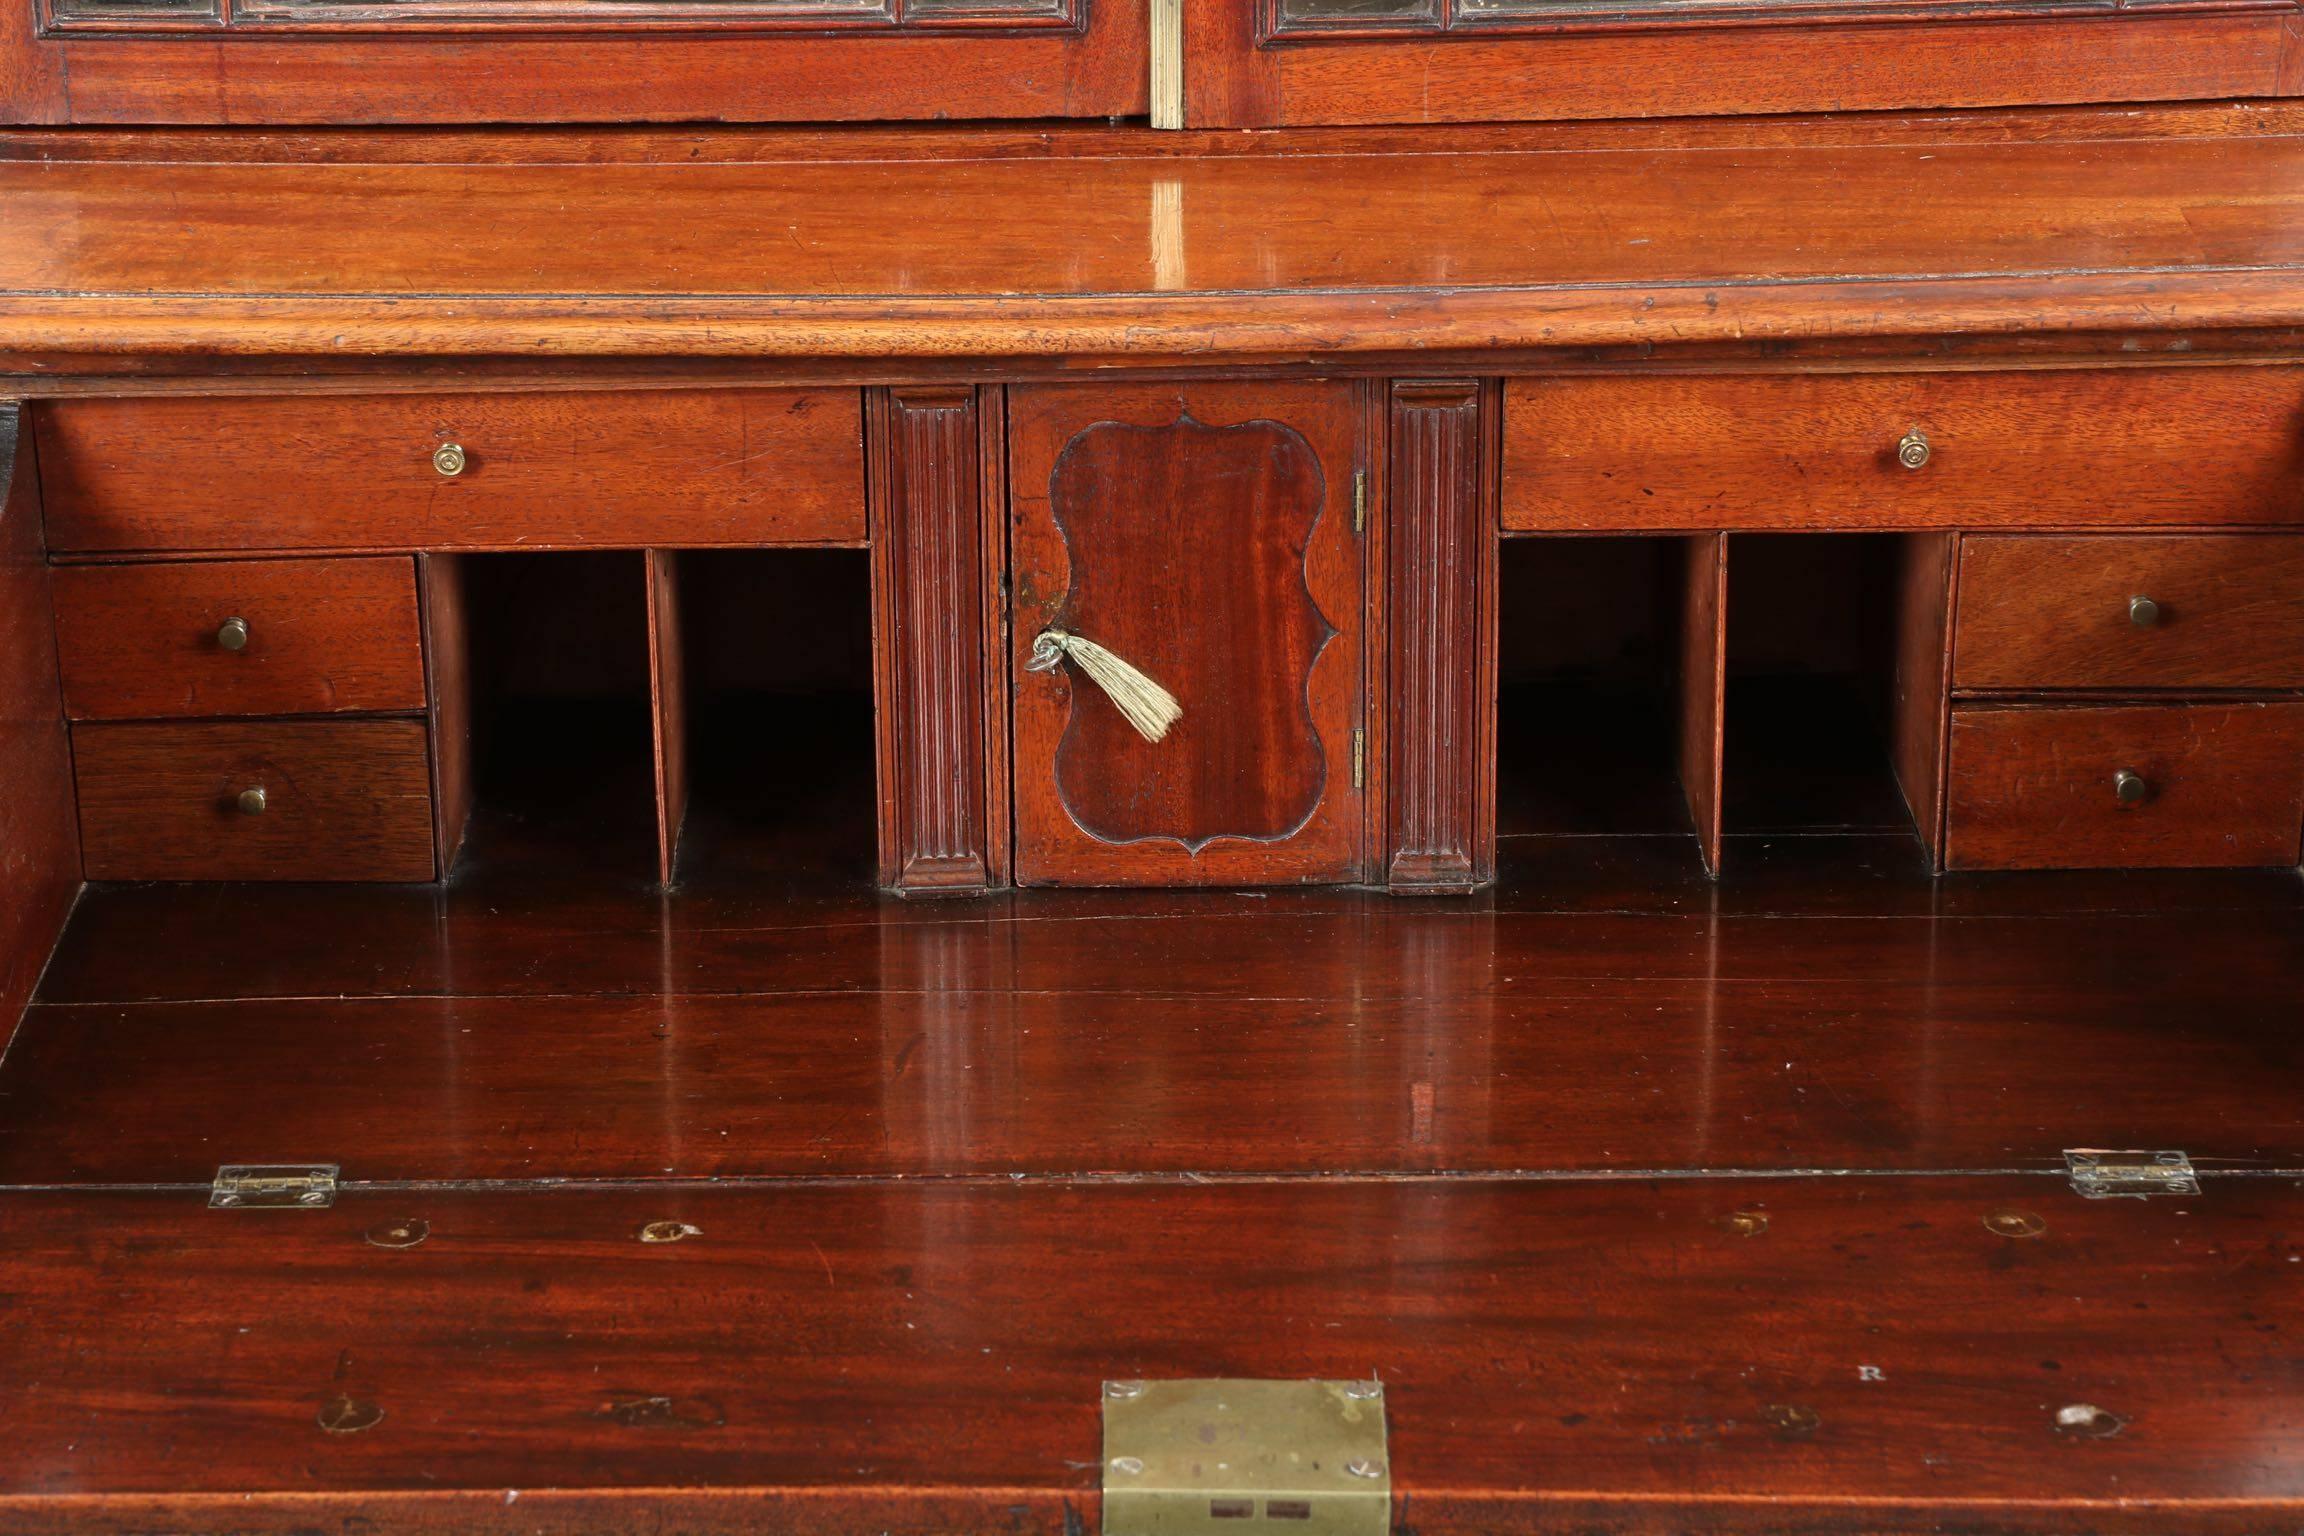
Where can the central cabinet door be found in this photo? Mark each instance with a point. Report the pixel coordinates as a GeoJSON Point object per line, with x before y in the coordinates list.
{"type": "Point", "coordinates": [1203, 534]}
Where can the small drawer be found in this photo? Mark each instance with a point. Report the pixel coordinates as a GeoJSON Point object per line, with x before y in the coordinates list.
{"type": "Point", "coordinates": [2072, 786]}
{"type": "Point", "coordinates": [245, 637]}
{"type": "Point", "coordinates": [2183, 611]}
{"type": "Point", "coordinates": [260, 800]}
{"type": "Point", "coordinates": [2032, 449]}
{"type": "Point", "coordinates": [677, 468]}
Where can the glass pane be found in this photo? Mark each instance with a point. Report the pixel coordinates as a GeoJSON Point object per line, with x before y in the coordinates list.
{"type": "Point", "coordinates": [136, 10]}
{"type": "Point", "coordinates": [1338, 12]}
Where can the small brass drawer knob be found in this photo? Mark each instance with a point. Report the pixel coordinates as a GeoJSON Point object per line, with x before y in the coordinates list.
{"type": "Point", "coordinates": [232, 634]}
{"type": "Point", "coordinates": [448, 458]}
{"type": "Point", "coordinates": [252, 800]}
{"type": "Point", "coordinates": [2143, 612]}
{"type": "Point", "coordinates": [1912, 449]}
{"type": "Point", "coordinates": [2130, 787]}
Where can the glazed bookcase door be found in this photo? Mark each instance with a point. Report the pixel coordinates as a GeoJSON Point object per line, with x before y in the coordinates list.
{"type": "Point", "coordinates": [1205, 535]}
{"type": "Point", "coordinates": [295, 62]}
{"type": "Point", "coordinates": [1291, 62]}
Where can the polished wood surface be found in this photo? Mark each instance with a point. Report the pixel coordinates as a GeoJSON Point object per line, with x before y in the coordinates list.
{"type": "Point", "coordinates": [2160, 226]}
{"type": "Point", "coordinates": [343, 800]}
{"type": "Point", "coordinates": [1792, 60]}
{"type": "Point", "coordinates": [1703, 685]}
{"type": "Point", "coordinates": [39, 833]}
{"type": "Point", "coordinates": [448, 676]}
{"type": "Point", "coordinates": [1633, 1355]}
{"type": "Point", "coordinates": [2033, 786]}
{"type": "Point", "coordinates": [667, 708]}
{"type": "Point", "coordinates": [2048, 613]}
{"type": "Point", "coordinates": [618, 73]}
{"type": "Point", "coordinates": [322, 637]}
{"type": "Point", "coordinates": [678, 468]}
{"type": "Point", "coordinates": [1205, 535]}
{"type": "Point", "coordinates": [1917, 723]}
{"type": "Point", "coordinates": [1813, 451]}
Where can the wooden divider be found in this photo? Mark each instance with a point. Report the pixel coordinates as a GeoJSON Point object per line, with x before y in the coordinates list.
{"type": "Point", "coordinates": [668, 708]}
{"type": "Point", "coordinates": [1703, 685]}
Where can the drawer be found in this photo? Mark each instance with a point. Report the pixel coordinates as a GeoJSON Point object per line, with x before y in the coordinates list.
{"type": "Point", "coordinates": [686, 468]}
{"type": "Point", "coordinates": [2040, 786]}
{"type": "Point", "coordinates": [2034, 449]}
{"type": "Point", "coordinates": [242, 637]}
{"type": "Point", "coordinates": [342, 800]}
{"type": "Point", "coordinates": [2185, 611]}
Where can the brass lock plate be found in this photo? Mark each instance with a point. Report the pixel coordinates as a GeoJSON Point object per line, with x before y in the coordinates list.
{"type": "Point", "coordinates": [1291, 1458]}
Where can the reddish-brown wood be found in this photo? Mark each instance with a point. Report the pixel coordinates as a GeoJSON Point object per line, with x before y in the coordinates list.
{"type": "Point", "coordinates": [1820, 450]}
{"type": "Point", "coordinates": [39, 838]}
{"type": "Point", "coordinates": [343, 800]}
{"type": "Point", "coordinates": [1917, 724]}
{"type": "Point", "coordinates": [1620, 1356]}
{"type": "Point", "coordinates": [1704, 686]}
{"type": "Point", "coordinates": [2043, 613]}
{"type": "Point", "coordinates": [933, 580]}
{"type": "Point", "coordinates": [1204, 534]}
{"type": "Point", "coordinates": [667, 709]}
{"type": "Point", "coordinates": [322, 637]}
{"type": "Point", "coordinates": [1907, 237]}
{"type": "Point", "coordinates": [676, 468]}
{"type": "Point", "coordinates": [1950, 57]}
{"type": "Point", "coordinates": [448, 675]}
{"type": "Point", "coordinates": [1440, 623]}
{"type": "Point", "coordinates": [606, 72]}
{"type": "Point", "coordinates": [2033, 786]}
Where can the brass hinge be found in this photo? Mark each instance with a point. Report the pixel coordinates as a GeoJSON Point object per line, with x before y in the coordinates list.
{"type": "Point", "coordinates": [1193, 1458]}
{"type": "Point", "coordinates": [263, 1186]}
{"type": "Point", "coordinates": [1360, 502]}
{"type": "Point", "coordinates": [2103, 1175]}
{"type": "Point", "coordinates": [1359, 759]}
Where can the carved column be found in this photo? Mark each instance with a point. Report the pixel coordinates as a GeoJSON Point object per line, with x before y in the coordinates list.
{"type": "Point", "coordinates": [934, 623]}
{"type": "Point", "coordinates": [1441, 621]}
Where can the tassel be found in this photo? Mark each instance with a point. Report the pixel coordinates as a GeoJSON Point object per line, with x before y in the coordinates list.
{"type": "Point", "coordinates": [1149, 707]}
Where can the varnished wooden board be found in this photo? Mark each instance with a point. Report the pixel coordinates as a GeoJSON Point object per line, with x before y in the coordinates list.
{"type": "Point", "coordinates": [1662, 1074]}
{"type": "Point", "coordinates": [1761, 1355]}
{"type": "Point", "coordinates": [1199, 246]}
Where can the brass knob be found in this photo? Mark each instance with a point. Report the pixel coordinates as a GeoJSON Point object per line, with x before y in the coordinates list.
{"type": "Point", "coordinates": [448, 458]}
{"type": "Point", "coordinates": [252, 800]}
{"type": "Point", "coordinates": [2129, 785]}
{"type": "Point", "coordinates": [1912, 449]}
{"type": "Point", "coordinates": [232, 634]}
{"type": "Point", "coordinates": [2143, 612]}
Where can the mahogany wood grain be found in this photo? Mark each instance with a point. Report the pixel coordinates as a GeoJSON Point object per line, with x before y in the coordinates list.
{"type": "Point", "coordinates": [1204, 534]}
{"type": "Point", "coordinates": [448, 672]}
{"type": "Point", "coordinates": [323, 637]}
{"type": "Point", "coordinates": [2032, 786]}
{"type": "Point", "coordinates": [681, 468]}
{"type": "Point", "coordinates": [1704, 686]}
{"type": "Point", "coordinates": [39, 835]}
{"type": "Point", "coordinates": [595, 76]}
{"type": "Point", "coordinates": [345, 800]}
{"type": "Point", "coordinates": [667, 708]}
{"type": "Point", "coordinates": [1674, 1073]}
{"type": "Point", "coordinates": [1605, 69]}
{"type": "Point", "coordinates": [1606, 1357]}
{"type": "Point", "coordinates": [2044, 613]}
{"type": "Point", "coordinates": [935, 576]}
{"type": "Point", "coordinates": [1909, 228]}
{"type": "Point", "coordinates": [1921, 680]}
{"type": "Point", "coordinates": [1820, 450]}
{"type": "Point", "coordinates": [1440, 624]}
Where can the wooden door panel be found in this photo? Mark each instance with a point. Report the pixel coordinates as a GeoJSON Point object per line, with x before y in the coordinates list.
{"type": "Point", "coordinates": [1205, 535]}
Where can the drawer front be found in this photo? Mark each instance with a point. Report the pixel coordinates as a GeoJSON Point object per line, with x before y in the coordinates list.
{"type": "Point", "coordinates": [686, 468]}
{"type": "Point", "coordinates": [2186, 611]}
{"type": "Point", "coordinates": [2035, 449]}
{"type": "Point", "coordinates": [2040, 787]}
{"type": "Point", "coordinates": [342, 800]}
{"type": "Point", "coordinates": [243, 637]}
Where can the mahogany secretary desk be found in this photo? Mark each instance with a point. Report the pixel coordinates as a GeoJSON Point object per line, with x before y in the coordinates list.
{"type": "Point", "coordinates": [1151, 765]}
